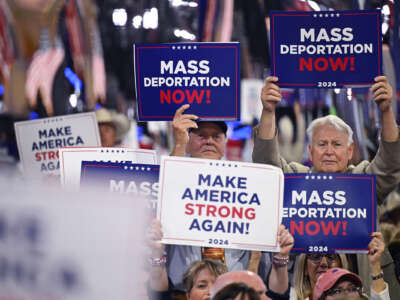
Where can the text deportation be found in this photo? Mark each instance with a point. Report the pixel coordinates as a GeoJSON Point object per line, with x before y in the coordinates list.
{"type": "Point", "coordinates": [336, 41]}
{"type": "Point", "coordinates": [195, 71]}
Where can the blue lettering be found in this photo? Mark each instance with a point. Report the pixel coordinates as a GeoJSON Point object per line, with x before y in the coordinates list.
{"type": "Point", "coordinates": [205, 180]}
{"type": "Point", "coordinates": [187, 194]}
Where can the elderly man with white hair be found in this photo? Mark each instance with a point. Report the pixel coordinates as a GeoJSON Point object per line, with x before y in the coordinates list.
{"type": "Point", "coordinates": [331, 148]}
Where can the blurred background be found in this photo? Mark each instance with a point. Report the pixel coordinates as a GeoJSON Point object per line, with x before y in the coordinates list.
{"type": "Point", "coordinates": [61, 57]}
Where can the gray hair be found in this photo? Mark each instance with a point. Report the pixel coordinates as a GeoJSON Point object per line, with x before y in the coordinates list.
{"type": "Point", "coordinates": [335, 121]}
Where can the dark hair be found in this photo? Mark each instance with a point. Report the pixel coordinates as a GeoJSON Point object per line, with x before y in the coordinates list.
{"type": "Point", "coordinates": [232, 290]}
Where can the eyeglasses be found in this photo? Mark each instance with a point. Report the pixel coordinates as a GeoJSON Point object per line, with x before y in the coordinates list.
{"type": "Point", "coordinates": [317, 258]}
{"type": "Point", "coordinates": [340, 292]}
{"type": "Point", "coordinates": [203, 136]}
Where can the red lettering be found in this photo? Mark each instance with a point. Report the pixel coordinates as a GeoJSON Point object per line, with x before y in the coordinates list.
{"type": "Point", "coordinates": [189, 210]}
{"type": "Point", "coordinates": [211, 209]}
{"type": "Point", "coordinates": [224, 214]}
{"type": "Point", "coordinates": [237, 211]}
{"type": "Point", "coordinates": [37, 155]}
{"type": "Point", "coordinates": [51, 154]}
{"type": "Point", "coordinates": [175, 96]}
{"type": "Point", "coordinates": [166, 97]}
{"type": "Point", "coordinates": [309, 229]}
{"type": "Point", "coordinates": [338, 63]}
{"type": "Point", "coordinates": [294, 227]}
{"type": "Point", "coordinates": [194, 95]}
{"type": "Point", "coordinates": [200, 206]}
{"type": "Point", "coordinates": [326, 229]}
{"type": "Point", "coordinates": [250, 213]}
{"type": "Point", "coordinates": [324, 64]}
{"type": "Point", "coordinates": [307, 64]}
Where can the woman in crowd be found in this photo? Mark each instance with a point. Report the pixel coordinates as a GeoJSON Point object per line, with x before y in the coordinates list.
{"type": "Point", "coordinates": [310, 267]}
{"type": "Point", "coordinates": [198, 279]}
{"type": "Point", "coordinates": [307, 270]}
{"type": "Point", "coordinates": [339, 284]}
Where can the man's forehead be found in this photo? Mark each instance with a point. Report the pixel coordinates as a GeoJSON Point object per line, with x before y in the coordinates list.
{"type": "Point", "coordinates": [207, 127]}
{"type": "Point", "coordinates": [321, 131]}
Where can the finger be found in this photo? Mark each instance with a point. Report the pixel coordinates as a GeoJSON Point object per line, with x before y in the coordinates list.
{"type": "Point", "coordinates": [271, 86]}
{"type": "Point", "coordinates": [271, 91]}
{"type": "Point", "coordinates": [380, 90]}
{"type": "Point", "coordinates": [377, 235]}
{"type": "Point", "coordinates": [271, 79]}
{"type": "Point", "coordinates": [188, 116]}
{"type": "Point", "coordinates": [186, 124]}
{"type": "Point", "coordinates": [381, 98]}
{"type": "Point", "coordinates": [181, 109]}
{"type": "Point", "coordinates": [380, 79]}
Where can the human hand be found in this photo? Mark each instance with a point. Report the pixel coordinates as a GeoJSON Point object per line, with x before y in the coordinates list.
{"type": "Point", "coordinates": [382, 93]}
{"type": "Point", "coordinates": [270, 94]}
{"type": "Point", "coordinates": [375, 251]}
{"type": "Point", "coordinates": [181, 124]}
{"type": "Point", "coordinates": [286, 241]}
{"type": "Point", "coordinates": [154, 236]}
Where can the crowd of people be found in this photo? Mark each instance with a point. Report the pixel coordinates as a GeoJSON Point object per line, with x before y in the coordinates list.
{"type": "Point", "coordinates": [193, 273]}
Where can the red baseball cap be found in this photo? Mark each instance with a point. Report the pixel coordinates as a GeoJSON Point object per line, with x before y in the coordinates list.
{"type": "Point", "coordinates": [329, 279]}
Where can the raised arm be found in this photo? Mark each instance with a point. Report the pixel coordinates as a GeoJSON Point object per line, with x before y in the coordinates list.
{"type": "Point", "coordinates": [278, 281]}
{"type": "Point", "coordinates": [382, 94]}
{"type": "Point", "coordinates": [158, 273]}
{"type": "Point", "coordinates": [376, 248]}
{"type": "Point", "coordinates": [180, 125]}
{"type": "Point", "coordinates": [270, 96]}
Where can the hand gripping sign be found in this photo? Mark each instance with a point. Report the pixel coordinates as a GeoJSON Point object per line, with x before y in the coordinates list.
{"type": "Point", "coordinates": [326, 49]}
{"type": "Point", "coordinates": [330, 212]}
{"type": "Point", "coordinates": [204, 75]}
{"type": "Point", "coordinates": [39, 140]}
{"type": "Point", "coordinates": [221, 204]}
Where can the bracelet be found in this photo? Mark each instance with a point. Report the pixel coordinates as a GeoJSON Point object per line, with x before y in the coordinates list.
{"type": "Point", "coordinates": [159, 261]}
{"type": "Point", "coordinates": [280, 261]}
{"type": "Point", "coordinates": [379, 276]}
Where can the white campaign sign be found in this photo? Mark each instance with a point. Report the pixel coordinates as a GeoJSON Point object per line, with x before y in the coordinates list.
{"type": "Point", "coordinates": [217, 203]}
{"type": "Point", "coordinates": [71, 160]}
{"type": "Point", "coordinates": [38, 140]}
{"type": "Point", "coordinates": [71, 247]}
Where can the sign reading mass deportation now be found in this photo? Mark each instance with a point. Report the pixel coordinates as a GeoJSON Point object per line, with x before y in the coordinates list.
{"type": "Point", "coordinates": [326, 49]}
{"type": "Point", "coordinates": [204, 75]}
{"type": "Point", "coordinates": [222, 204]}
{"type": "Point", "coordinates": [39, 140]}
{"type": "Point", "coordinates": [330, 212]}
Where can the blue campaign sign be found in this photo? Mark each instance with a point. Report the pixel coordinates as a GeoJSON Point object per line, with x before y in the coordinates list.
{"type": "Point", "coordinates": [330, 212]}
{"type": "Point", "coordinates": [326, 49]}
{"type": "Point", "coordinates": [123, 178]}
{"type": "Point", "coordinates": [204, 75]}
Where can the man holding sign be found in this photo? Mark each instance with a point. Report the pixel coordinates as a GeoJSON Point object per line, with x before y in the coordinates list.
{"type": "Point", "coordinates": [331, 148]}
{"type": "Point", "coordinates": [207, 140]}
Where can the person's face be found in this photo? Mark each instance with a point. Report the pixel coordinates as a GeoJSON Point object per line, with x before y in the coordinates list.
{"type": "Point", "coordinates": [329, 151]}
{"type": "Point", "coordinates": [107, 135]}
{"type": "Point", "coordinates": [318, 264]}
{"type": "Point", "coordinates": [343, 290]}
{"type": "Point", "coordinates": [201, 286]}
{"type": "Point", "coordinates": [207, 141]}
